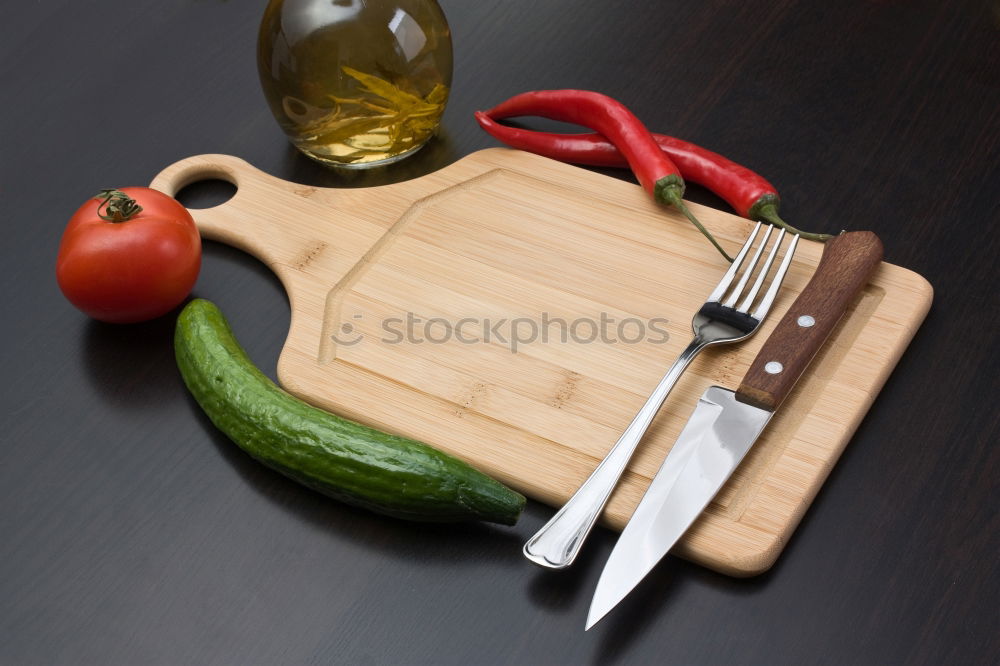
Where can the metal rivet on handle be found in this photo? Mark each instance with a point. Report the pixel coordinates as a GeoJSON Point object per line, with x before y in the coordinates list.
{"type": "Point", "coordinates": [805, 321]}
{"type": "Point", "coordinates": [773, 367]}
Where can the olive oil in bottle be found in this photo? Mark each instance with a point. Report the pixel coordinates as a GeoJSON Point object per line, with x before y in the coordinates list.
{"type": "Point", "coordinates": [355, 83]}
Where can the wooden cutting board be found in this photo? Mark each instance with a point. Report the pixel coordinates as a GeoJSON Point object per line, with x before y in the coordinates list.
{"type": "Point", "coordinates": [516, 312]}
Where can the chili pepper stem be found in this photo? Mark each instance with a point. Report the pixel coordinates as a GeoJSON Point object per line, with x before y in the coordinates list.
{"type": "Point", "coordinates": [769, 213]}
{"type": "Point", "coordinates": [671, 192]}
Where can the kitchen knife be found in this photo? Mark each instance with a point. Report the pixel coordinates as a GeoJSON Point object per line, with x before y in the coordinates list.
{"type": "Point", "coordinates": [726, 423]}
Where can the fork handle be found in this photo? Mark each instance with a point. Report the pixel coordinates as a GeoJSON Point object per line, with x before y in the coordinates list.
{"type": "Point", "coordinates": [557, 544]}
{"type": "Point", "coordinates": [848, 262]}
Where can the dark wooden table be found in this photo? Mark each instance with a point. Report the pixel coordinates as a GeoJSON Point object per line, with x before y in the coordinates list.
{"type": "Point", "coordinates": [132, 532]}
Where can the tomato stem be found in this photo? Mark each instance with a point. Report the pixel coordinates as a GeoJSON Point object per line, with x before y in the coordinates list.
{"type": "Point", "coordinates": [118, 206]}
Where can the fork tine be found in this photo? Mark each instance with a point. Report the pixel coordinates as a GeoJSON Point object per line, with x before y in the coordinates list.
{"type": "Point", "coordinates": [731, 301]}
{"type": "Point", "coordinates": [772, 291]}
{"type": "Point", "coordinates": [762, 275]}
{"type": "Point", "coordinates": [727, 279]}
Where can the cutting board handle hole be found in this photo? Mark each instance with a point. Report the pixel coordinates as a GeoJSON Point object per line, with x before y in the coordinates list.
{"type": "Point", "coordinates": [206, 193]}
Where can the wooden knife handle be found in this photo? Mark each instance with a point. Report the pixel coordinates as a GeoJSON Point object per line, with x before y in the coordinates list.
{"type": "Point", "coordinates": [847, 263]}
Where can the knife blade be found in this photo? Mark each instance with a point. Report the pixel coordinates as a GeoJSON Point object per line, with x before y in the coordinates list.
{"type": "Point", "coordinates": [726, 423]}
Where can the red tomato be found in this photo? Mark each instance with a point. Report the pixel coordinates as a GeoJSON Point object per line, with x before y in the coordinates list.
{"type": "Point", "coordinates": [123, 265]}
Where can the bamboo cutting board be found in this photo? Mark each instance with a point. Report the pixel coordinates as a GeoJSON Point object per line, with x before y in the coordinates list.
{"type": "Point", "coordinates": [516, 312]}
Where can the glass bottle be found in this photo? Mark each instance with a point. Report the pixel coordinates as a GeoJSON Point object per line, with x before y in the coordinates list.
{"type": "Point", "coordinates": [355, 83]}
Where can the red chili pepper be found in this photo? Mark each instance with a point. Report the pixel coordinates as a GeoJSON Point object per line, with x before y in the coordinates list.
{"type": "Point", "coordinates": [657, 174]}
{"type": "Point", "coordinates": [750, 194]}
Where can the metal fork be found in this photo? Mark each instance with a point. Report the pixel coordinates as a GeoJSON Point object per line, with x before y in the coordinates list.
{"type": "Point", "coordinates": [717, 322]}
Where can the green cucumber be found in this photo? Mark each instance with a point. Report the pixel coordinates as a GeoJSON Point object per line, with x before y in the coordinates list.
{"type": "Point", "coordinates": [345, 460]}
